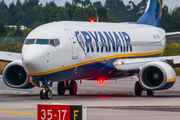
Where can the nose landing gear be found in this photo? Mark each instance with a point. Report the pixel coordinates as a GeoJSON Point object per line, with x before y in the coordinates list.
{"type": "Point", "coordinates": [46, 93]}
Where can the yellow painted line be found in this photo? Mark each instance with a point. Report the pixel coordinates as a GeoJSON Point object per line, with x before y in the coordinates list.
{"type": "Point", "coordinates": [97, 60]}
{"type": "Point", "coordinates": [24, 113]}
{"type": "Point", "coordinates": [89, 117]}
{"type": "Point", "coordinates": [171, 80]}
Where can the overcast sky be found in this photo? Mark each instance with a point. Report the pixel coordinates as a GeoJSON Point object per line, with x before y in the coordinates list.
{"type": "Point", "coordinates": [169, 3]}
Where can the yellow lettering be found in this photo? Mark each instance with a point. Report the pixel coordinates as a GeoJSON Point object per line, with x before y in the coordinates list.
{"type": "Point", "coordinates": [75, 114]}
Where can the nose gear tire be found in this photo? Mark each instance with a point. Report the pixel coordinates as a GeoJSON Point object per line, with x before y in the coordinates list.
{"type": "Point", "coordinates": [42, 95]}
{"type": "Point", "coordinates": [48, 94]}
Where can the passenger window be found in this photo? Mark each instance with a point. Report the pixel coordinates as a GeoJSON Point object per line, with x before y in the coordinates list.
{"type": "Point", "coordinates": [29, 41]}
{"type": "Point", "coordinates": [42, 41]}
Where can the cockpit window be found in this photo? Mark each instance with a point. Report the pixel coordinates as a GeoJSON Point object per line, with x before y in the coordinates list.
{"type": "Point", "coordinates": [42, 41]}
{"type": "Point", "coordinates": [29, 41]}
{"type": "Point", "coordinates": [54, 42]}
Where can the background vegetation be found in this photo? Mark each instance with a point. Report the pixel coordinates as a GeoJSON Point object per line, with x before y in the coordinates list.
{"type": "Point", "coordinates": [32, 14]}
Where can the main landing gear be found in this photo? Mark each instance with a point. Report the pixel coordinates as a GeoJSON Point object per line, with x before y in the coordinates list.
{"type": "Point", "coordinates": [138, 90]}
{"type": "Point", "coordinates": [62, 86]}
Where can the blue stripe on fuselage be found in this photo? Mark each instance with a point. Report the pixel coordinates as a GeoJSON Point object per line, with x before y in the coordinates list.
{"type": "Point", "coordinates": [88, 71]}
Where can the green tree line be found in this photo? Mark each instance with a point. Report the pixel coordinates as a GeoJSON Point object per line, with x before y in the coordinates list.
{"type": "Point", "coordinates": [32, 13]}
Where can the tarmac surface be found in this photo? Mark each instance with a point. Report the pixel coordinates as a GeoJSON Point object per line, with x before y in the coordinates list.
{"type": "Point", "coordinates": [114, 100]}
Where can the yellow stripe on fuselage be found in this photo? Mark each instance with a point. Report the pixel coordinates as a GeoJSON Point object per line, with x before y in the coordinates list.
{"type": "Point", "coordinates": [97, 60]}
{"type": "Point", "coordinates": [171, 80]}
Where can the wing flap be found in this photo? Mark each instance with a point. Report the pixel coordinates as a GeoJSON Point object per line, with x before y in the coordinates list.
{"type": "Point", "coordinates": [176, 59]}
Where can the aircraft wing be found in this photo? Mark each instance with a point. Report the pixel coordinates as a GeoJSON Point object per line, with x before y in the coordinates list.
{"type": "Point", "coordinates": [172, 34]}
{"type": "Point", "coordinates": [137, 63]}
{"type": "Point", "coordinates": [9, 56]}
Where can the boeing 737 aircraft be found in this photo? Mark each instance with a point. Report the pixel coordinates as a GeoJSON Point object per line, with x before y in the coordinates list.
{"type": "Point", "coordinates": [67, 51]}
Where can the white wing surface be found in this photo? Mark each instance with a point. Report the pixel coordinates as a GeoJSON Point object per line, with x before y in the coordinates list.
{"type": "Point", "coordinates": [9, 56]}
{"type": "Point", "coordinates": [137, 63]}
{"type": "Point", "coordinates": [172, 34]}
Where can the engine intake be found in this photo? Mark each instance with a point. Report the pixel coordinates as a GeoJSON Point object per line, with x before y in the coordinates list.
{"type": "Point", "coordinates": [155, 76]}
{"type": "Point", "coordinates": [15, 76]}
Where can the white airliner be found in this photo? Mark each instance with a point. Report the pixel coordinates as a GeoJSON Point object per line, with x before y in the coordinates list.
{"type": "Point", "coordinates": [67, 51]}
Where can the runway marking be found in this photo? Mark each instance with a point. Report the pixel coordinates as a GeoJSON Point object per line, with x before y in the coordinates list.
{"type": "Point", "coordinates": [15, 109]}
{"type": "Point", "coordinates": [136, 107]}
{"type": "Point", "coordinates": [89, 117]}
{"type": "Point", "coordinates": [12, 112]}
{"type": "Point", "coordinates": [23, 113]}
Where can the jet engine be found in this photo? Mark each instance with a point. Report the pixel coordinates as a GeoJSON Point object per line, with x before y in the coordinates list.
{"type": "Point", "coordinates": [157, 76]}
{"type": "Point", "coordinates": [15, 76]}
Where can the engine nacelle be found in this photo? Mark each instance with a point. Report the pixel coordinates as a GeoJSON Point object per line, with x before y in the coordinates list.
{"type": "Point", "coordinates": [157, 76]}
{"type": "Point", "coordinates": [15, 76]}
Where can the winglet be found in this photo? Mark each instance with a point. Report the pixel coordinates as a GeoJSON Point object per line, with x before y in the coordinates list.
{"type": "Point", "coordinates": [153, 14]}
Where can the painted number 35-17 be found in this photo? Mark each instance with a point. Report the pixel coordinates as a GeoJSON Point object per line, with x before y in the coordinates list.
{"type": "Point", "coordinates": [60, 112]}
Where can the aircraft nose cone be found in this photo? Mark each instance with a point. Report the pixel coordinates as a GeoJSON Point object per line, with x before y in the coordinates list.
{"type": "Point", "coordinates": [33, 59]}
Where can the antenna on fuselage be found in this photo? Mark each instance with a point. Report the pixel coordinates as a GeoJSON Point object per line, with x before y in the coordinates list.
{"type": "Point", "coordinates": [97, 17]}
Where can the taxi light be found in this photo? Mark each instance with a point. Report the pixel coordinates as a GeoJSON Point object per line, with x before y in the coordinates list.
{"type": "Point", "coordinates": [120, 63]}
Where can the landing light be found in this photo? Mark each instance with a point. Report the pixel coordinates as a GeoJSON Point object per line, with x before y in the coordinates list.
{"type": "Point", "coordinates": [44, 91]}
{"type": "Point", "coordinates": [120, 62]}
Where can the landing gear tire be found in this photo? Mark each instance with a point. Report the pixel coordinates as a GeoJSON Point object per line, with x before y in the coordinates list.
{"type": "Point", "coordinates": [61, 88]}
{"type": "Point", "coordinates": [150, 93]}
{"type": "Point", "coordinates": [73, 88]}
{"type": "Point", "coordinates": [138, 89]}
{"type": "Point", "coordinates": [42, 94]}
{"type": "Point", "coordinates": [45, 94]}
{"type": "Point", "coordinates": [48, 94]}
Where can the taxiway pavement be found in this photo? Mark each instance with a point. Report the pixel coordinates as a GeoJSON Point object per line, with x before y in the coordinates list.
{"type": "Point", "coordinates": [110, 101]}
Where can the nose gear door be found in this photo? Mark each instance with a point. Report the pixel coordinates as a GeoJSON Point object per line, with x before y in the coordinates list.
{"type": "Point", "coordinates": [74, 43]}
